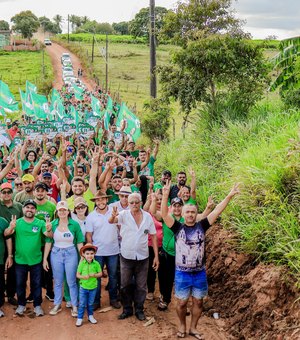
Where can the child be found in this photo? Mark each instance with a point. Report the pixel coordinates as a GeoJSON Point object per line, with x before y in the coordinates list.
{"type": "Point", "coordinates": [88, 272]}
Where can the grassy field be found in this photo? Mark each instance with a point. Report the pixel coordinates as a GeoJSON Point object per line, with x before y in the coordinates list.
{"type": "Point", "coordinates": [17, 67]}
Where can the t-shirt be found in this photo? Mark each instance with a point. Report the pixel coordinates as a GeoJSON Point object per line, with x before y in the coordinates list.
{"type": "Point", "coordinates": [114, 198]}
{"type": "Point", "coordinates": [42, 210]}
{"type": "Point", "coordinates": [29, 241]}
{"type": "Point", "coordinates": [159, 232]}
{"type": "Point", "coordinates": [3, 225]}
{"type": "Point", "coordinates": [190, 245]}
{"type": "Point", "coordinates": [190, 201]}
{"type": "Point", "coordinates": [23, 196]}
{"type": "Point", "coordinates": [148, 170]}
{"type": "Point", "coordinates": [15, 209]}
{"type": "Point", "coordinates": [168, 241]}
{"type": "Point", "coordinates": [105, 235]}
{"type": "Point", "coordinates": [87, 196]}
{"type": "Point", "coordinates": [86, 268]}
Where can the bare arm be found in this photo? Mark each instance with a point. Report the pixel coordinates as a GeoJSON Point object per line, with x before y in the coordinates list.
{"type": "Point", "coordinates": [155, 264]}
{"type": "Point", "coordinates": [8, 166]}
{"type": "Point", "coordinates": [222, 205]}
{"type": "Point", "coordinates": [89, 237]}
{"type": "Point", "coordinates": [193, 184]}
{"type": "Point", "coordinates": [168, 218]}
{"type": "Point", "coordinates": [47, 249]}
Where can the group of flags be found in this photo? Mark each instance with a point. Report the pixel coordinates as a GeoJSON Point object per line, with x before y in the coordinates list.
{"type": "Point", "coordinates": [37, 106]}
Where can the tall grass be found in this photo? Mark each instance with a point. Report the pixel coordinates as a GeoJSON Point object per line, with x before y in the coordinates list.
{"type": "Point", "coordinates": [263, 154]}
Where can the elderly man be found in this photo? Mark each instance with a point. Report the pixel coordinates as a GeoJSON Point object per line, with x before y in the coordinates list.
{"type": "Point", "coordinates": [135, 226]}
{"type": "Point", "coordinates": [29, 232]}
{"type": "Point", "coordinates": [190, 274]}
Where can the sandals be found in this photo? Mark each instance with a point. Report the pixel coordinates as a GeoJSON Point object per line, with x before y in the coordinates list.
{"type": "Point", "coordinates": [181, 334]}
{"type": "Point", "coordinates": [197, 335]}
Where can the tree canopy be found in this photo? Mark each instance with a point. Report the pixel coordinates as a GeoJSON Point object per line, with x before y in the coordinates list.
{"type": "Point", "coordinates": [26, 23]}
{"type": "Point", "coordinates": [4, 25]}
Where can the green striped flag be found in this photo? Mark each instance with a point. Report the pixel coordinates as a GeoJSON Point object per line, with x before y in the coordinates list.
{"type": "Point", "coordinates": [8, 101]}
{"type": "Point", "coordinates": [27, 106]}
{"type": "Point", "coordinates": [109, 104]}
{"type": "Point", "coordinates": [30, 87]}
{"type": "Point", "coordinates": [78, 91]}
{"type": "Point", "coordinates": [40, 105]}
{"type": "Point", "coordinates": [74, 113]}
{"type": "Point", "coordinates": [57, 107]}
{"type": "Point", "coordinates": [133, 125]}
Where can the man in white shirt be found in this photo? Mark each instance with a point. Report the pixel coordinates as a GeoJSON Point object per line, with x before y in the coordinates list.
{"type": "Point", "coordinates": [135, 226]}
{"type": "Point", "coordinates": [104, 236]}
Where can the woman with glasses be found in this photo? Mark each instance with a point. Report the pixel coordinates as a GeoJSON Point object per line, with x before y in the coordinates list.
{"type": "Point", "coordinates": [67, 235]}
{"type": "Point", "coordinates": [80, 213]}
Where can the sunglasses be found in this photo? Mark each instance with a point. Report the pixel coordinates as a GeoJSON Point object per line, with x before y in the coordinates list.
{"type": "Point", "coordinates": [81, 207]}
{"type": "Point", "coordinates": [6, 192]}
{"type": "Point", "coordinates": [18, 184]}
{"type": "Point", "coordinates": [135, 202]}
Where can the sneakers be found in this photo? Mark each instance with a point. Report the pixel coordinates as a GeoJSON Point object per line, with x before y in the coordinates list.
{"type": "Point", "coordinates": [162, 306]}
{"type": "Point", "coordinates": [1, 313]}
{"type": "Point", "coordinates": [92, 319]}
{"type": "Point", "coordinates": [115, 304]}
{"type": "Point", "coordinates": [56, 309]}
{"type": "Point", "coordinates": [150, 296]}
{"type": "Point", "coordinates": [78, 322]}
{"type": "Point", "coordinates": [38, 311]}
{"type": "Point", "coordinates": [68, 304]}
{"type": "Point", "coordinates": [50, 296]}
{"type": "Point", "coordinates": [29, 298]}
{"type": "Point", "coordinates": [20, 310]}
{"type": "Point", "coordinates": [74, 312]}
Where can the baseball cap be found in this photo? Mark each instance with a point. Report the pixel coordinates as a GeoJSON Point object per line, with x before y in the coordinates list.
{"type": "Point", "coordinates": [78, 201]}
{"type": "Point", "coordinates": [62, 205]}
{"type": "Point", "coordinates": [177, 200]}
{"type": "Point", "coordinates": [47, 174]}
{"type": "Point", "coordinates": [42, 186]}
{"type": "Point", "coordinates": [28, 202]}
{"type": "Point", "coordinates": [27, 178]}
{"type": "Point", "coordinates": [6, 186]}
{"type": "Point", "coordinates": [8, 120]}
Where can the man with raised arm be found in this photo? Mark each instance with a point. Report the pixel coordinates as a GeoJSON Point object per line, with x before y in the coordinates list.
{"type": "Point", "coordinates": [190, 275]}
{"type": "Point", "coordinates": [135, 226]}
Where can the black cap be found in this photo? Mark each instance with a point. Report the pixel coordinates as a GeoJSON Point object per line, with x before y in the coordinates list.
{"type": "Point", "coordinates": [30, 201]}
{"type": "Point", "coordinates": [167, 172]}
{"type": "Point", "coordinates": [177, 200]}
{"type": "Point", "coordinates": [41, 185]}
{"type": "Point", "coordinates": [47, 174]}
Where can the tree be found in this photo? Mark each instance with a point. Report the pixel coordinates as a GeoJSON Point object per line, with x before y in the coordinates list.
{"type": "Point", "coordinates": [224, 73]}
{"type": "Point", "coordinates": [49, 26]}
{"type": "Point", "coordinates": [58, 19]}
{"type": "Point", "coordinates": [75, 21]}
{"type": "Point", "coordinates": [200, 17]}
{"type": "Point", "coordinates": [95, 27]}
{"type": "Point", "coordinates": [121, 27]}
{"type": "Point", "coordinates": [26, 23]}
{"type": "Point", "coordinates": [156, 119]}
{"type": "Point", "coordinates": [139, 26]}
{"type": "Point", "coordinates": [4, 25]}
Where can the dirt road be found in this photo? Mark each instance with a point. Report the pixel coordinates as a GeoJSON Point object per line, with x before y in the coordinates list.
{"type": "Point", "coordinates": [55, 51]}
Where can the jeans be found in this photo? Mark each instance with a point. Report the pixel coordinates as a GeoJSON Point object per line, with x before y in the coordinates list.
{"type": "Point", "coordinates": [133, 283]}
{"type": "Point", "coordinates": [112, 269]}
{"type": "Point", "coordinates": [2, 285]}
{"type": "Point", "coordinates": [64, 260]}
{"type": "Point", "coordinates": [35, 283]}
{"type": "Point", "coordinates": [86, 299]}
{"type": "Point", "coordinates": [167, 271]}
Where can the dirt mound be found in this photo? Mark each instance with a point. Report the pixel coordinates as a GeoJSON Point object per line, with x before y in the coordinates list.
{"type": "Point", "coordinates": [257, 301]}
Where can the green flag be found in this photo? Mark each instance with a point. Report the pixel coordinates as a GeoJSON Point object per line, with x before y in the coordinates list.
{"type": "Point", "coordinates": [40, 105]}
{"type": "Point", "coordinates": [133, 126]}
{"type": "Point", "coordinates": [96, 106]}
{"type": "Point", "coordinates": [75, 115]}
{"type": "Point", "coordinates": [7, 99]}
{"type": "Point", "coordinates": [109, 104]}
{"type": "Point", "coordinates": [27, 106]}
{"type": "Point", "coordinates": [57, 107]}
{"type": "Point", "coordinates": [30, 87]}
{"type": "Point", "coordinates": [78, 91]}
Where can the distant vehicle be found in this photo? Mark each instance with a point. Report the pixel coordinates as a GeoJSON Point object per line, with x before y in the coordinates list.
{"type": "Point", "coordinates": [47, 42]}
{"type": "Point", "coordinates": [67, 74]}
{"type": "Point", "coordinates": [67, 68]}
{"type": "Point", "coordinates": [65, 56]}
{"type": "Point", "coordinates": [69, 80]}
{"type": "Point", "coordinates": [67, 62]}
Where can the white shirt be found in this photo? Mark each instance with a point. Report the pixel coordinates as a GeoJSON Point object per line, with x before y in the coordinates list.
{"type": "Point", "coordinates": [119, 206]}
{"type": "Point", "coordinates": [82, 223]}
{"type": "Point", "coordinates": [134, 244]}
{"type": "Point", "coordinates": [105, 235]}
{"type": "Point", "coordinates": [63, 239]}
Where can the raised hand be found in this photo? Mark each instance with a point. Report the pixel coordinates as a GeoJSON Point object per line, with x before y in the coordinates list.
{"type": "Point", "coordinates": [210, 203]}
{"type": "Point", "coordinates": [167, 187]}
{"type": "Point", "coordinates": [48, 224]}
{"type": "Point", "coordinates": [115, 212]}
{"type": "Point", "coordinates": [235, 190]}
{"type": "Point", "coordinates": [13, 222]}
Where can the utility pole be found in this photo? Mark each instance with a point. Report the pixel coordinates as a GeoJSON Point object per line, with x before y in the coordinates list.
{"type": "Point", "coordinates": [43, 62]}
{"type": "Point", "coordinates": [153, 90]}
{"type": "Point", "coordinates": [93, 47]}
{"type": "Point", "coordinates": [106, 64]}
{"type": "Point", "coordinates": [68, 29]}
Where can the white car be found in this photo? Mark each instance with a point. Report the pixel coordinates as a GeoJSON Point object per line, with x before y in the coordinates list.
{"type": "Point", "coordinates": [67, 62]}
{"type": "Point", "coordinates": [67, 74]}
{"type": "Point", "coordinates": [47, 42]}
{"type": "Point", "coordinates": [65, 56]}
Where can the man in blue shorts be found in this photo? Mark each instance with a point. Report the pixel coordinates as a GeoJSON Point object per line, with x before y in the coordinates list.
{"type": "Point", "coordinates": [190, 275]}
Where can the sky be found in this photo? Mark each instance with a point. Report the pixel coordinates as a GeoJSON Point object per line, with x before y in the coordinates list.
{"type": "Point", "coordinates": [263, 17]}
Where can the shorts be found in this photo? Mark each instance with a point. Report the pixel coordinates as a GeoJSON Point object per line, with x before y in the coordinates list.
{"type": "Point", "coordinates": [191, 284]}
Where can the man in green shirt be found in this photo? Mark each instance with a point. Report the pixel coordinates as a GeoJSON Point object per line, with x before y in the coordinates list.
{"type": "Point", "coordinates": [9, 208]}
{"type": "Point", "coordinates": [9, 261]}
{"type": "Point", "coordinates": [28, 232]}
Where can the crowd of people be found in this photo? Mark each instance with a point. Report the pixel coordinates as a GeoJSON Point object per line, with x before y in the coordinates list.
{"type": "Point", "coordinates": [73, 210]}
